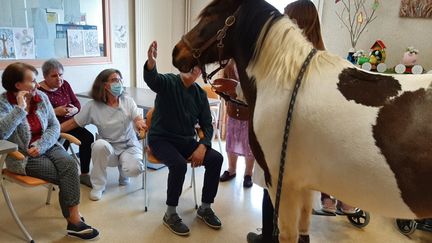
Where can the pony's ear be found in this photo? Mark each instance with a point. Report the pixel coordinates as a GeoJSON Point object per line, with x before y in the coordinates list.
{"type": "Point", "coordinates": [366, 88]}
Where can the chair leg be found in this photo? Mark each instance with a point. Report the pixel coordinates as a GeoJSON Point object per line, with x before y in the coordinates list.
{"type": "Point", "coordinates": [50, 189]}
{"type": "Point", "coordinates": [145, 185]}
{"type": "Point", "coordinates": [14, 214]}
{"type": "Point", "coordinates": [194, 187]}
{"type": "Point", "coordinates": [74, 155]}
{"type": "Point", "coordinates": [219, 139]}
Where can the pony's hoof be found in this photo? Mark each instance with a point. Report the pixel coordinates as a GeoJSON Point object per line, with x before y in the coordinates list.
{"type": "Point", "coordinates": [303, 239]}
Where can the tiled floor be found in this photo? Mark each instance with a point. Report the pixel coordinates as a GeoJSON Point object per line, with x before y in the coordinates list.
{"type": "Point", "coordinates": [120, 215]}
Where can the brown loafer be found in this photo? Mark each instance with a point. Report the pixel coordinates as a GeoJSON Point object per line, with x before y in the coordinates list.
{"type": "Point", "coordinates": [226, 176]}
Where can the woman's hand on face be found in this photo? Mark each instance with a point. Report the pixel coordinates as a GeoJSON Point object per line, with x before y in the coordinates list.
{"type": "Point", "coordinates": [22, 99]}
{"type": "Point", "coordinates": [61, 111]}
{"type": "Point", "coordinates": [33, 151]}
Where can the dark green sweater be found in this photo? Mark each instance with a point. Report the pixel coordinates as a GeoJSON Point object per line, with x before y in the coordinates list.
{"type": "Point", "coordinates": [178, 109]}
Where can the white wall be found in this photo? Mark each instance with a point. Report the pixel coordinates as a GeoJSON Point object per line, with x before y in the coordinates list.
{"type": "Point", "coordinates": [397, 33]}
{"type": "Point", "coordinates": [160, 20]}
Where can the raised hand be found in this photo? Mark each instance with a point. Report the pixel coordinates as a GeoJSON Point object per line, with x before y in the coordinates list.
{"type": "Point", "coordinates": [152, 55]}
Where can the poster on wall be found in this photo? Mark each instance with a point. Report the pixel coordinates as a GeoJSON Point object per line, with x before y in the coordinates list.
{"type": "Point", "coordinates": [7, 47]}
{"type": "Point", "coordinates": [91, 45]}
{"type": "Point", "coordinates": [75, 43]}
{"type": "Point", "coordinates": [120, 36]}
{"type": "Point", "coordinates": [82, 43]}
{"type": "Point", "coordinates": [416, 8]}
{"type": "Point", "coordinates": [24, 43]}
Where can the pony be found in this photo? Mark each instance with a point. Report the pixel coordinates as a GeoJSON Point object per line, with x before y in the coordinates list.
{"type": "Point", "coordinates": [365, 138]}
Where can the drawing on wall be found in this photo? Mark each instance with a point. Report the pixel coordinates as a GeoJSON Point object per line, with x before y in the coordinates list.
{"type": "Point", "coordinates": [7, 48]}
{"type": "Point", "coordinates": [120, 36]}
{"type": "Point", "coordinates": [91, 45]}
{"type": "Point", "coordinates": [24, 43]}
{"type": "Point", "coordinates": [75, 43]}
{"type": "Point", "coordinates": [82, 43]}
{"type": "Point", "coordinates": [416, 8]}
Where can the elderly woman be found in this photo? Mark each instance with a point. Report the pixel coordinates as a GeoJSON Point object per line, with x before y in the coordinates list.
{"type": "Point", "coordinates": [66, 105]}
{"type": "Point", "coordinates": [115, 115]}
{"type": "Point", "coordinates": [27, 119]}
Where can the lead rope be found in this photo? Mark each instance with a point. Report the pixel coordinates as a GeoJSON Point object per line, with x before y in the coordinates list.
{"type": "Point", "coordinates": [285, 141]}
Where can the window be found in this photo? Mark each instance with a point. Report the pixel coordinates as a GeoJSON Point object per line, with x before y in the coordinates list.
{"type": "Point", "coordinates": [280, 4]}
{"type": "Point", "coordinates": [74, 31]}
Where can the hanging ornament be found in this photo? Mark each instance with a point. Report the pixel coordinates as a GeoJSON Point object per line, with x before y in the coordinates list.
{"type": "Point", "coordinates": [375, 5]}
{"type": "Point", "coordinates": [360, 18]}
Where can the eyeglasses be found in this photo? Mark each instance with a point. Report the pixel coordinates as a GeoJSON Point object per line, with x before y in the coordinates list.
{"type": "Point", "coordinates": [116, 80]}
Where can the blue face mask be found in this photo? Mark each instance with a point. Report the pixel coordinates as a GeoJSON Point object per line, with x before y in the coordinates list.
{"type": "Point", "coordinates": [116, 89]}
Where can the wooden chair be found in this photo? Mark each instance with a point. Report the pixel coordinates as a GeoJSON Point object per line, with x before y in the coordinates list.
{"type": "Point", "coordinates": [150, 158]}
{"type": "Point", "coordinates": [26, 181]}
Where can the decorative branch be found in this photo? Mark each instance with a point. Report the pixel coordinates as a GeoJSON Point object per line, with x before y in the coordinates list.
{"type": "Point", "coordinates": [355, 16]}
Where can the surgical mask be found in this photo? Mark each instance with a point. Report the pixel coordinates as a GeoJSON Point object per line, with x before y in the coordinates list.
{"type": "Point", "coordinates": [116, 89]}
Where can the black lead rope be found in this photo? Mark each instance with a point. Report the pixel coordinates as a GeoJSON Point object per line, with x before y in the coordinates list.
{"type": "Point", "coordinates": [285, 140]}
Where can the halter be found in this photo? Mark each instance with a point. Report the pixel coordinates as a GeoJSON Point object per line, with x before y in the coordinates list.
{"type": "Point", "coordinates": [218, 37]}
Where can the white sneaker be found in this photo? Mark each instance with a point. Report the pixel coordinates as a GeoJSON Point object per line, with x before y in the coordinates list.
{"type": "Point", "coordinates": [96, 195]}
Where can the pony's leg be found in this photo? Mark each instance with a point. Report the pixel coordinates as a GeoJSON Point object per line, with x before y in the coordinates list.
{"type": "Point", "coordinates": [305, 216]}
{"type": "Point", "coordinates": [289, 213]}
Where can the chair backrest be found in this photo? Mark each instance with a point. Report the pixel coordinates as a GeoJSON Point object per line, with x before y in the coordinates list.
{"type": "Point", "coordinates": [210, 92]}
{"type": "Point", "coordinates": [149, 116]}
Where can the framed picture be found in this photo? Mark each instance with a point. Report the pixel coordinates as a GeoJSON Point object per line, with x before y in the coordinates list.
{"type": "Point", "coordinates": [416, 8]}
{"type": "Point", "coordinates": [7, 47]}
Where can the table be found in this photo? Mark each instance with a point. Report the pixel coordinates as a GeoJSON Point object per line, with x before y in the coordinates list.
{"type": "Point", "coordinates": [144, 98]}
{"type": "Point", "coordinates": [5, 148]}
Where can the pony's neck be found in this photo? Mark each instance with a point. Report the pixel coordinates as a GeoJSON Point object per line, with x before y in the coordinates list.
{"type": "Point", "coordinates": [253, 16]}
{"type": "Point", "coordinates": [280, 53]}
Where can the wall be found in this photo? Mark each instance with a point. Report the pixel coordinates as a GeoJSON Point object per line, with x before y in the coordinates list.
{"type": "Point", "coordinates": [397, 33]}
{"type": "Point", "coordinates": [82, 77]}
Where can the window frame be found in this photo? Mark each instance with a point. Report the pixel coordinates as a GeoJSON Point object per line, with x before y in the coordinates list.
{"type": "Point", "coordinates": [79, 61]}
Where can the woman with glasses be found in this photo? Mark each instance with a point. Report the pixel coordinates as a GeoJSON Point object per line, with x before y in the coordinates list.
{"type": "Point", "coordinates": [66, 105]}
{"type": "Point", "coordinates": [115, 115]}
{"type": "Point", "coordinates": [27, 119]}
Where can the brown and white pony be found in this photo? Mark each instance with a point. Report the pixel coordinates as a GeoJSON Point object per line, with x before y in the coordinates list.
{"type": "Point", "coordinates": [364, 138]}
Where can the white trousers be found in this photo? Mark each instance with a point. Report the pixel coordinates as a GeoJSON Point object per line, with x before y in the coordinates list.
{"type": "Point", "coordinates": [128, 161]}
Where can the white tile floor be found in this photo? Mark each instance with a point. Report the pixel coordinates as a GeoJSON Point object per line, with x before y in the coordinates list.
{"type": "Point", "coordinates": [120, 215]}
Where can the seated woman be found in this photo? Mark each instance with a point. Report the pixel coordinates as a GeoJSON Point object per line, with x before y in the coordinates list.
{"type": "Point", "coordinates": [114, 114]}
{"type": "Point", "coordinates": [66, 105]}
{"type": "Point", "coordinates": [27, 119]}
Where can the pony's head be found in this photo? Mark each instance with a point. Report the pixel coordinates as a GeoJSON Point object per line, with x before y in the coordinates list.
{"type": "Point", "coordinates": [210, 40]}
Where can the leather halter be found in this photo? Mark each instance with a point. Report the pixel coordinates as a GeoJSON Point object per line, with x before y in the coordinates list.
{"type": "Point", "coordinates": [218, 37]}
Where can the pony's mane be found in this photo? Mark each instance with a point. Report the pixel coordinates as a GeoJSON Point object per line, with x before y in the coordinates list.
{"type": "Point", "coordinates": [280, 52]}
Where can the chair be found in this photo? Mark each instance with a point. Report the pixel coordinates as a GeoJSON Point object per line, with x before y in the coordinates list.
{"type": "Point", "coordinates": [26, 181]}
{"type": "Point", "coordinates": [215, 113]}
{"type": "Point", "coordinates": [150, 158]}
